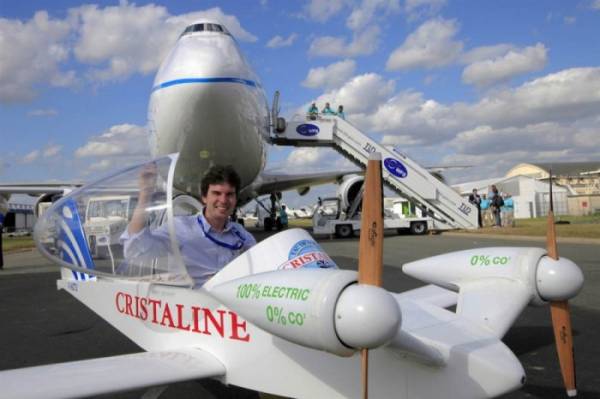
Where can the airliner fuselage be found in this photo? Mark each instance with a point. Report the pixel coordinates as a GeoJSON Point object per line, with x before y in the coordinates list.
{"type": "Point", "coordinates": [208, 105]}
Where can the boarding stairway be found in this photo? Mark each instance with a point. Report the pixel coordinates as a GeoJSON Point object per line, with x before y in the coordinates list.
{"type": "Point", "coordinates": [400, 173]}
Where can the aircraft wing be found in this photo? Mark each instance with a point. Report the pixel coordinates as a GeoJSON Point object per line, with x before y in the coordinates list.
{"type": "Point", "coordinates": [109, 374]}
{"type": "Point", "coordinates": [270, 182]}
{"type": "Point", "coordinates": [431, 294]}
{"type": "Point", "coordinates": [35, 188]}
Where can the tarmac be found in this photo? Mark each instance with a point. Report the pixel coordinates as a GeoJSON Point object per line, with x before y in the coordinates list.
{"type": "Point", "coordinates": [41, 325]}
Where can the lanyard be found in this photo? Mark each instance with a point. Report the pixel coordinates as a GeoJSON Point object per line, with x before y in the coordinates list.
{"type": "Point", "coordinates": [234, 247]}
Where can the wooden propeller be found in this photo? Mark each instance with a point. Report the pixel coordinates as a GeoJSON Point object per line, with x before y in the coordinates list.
{"type": "Point", "coordinates": [561, 317]}
{"type": "Point", "coordinates": [370, 251]}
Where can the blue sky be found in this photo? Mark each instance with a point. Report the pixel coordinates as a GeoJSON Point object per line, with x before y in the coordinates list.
{"type": "Point", "coordinates": [488, 84]}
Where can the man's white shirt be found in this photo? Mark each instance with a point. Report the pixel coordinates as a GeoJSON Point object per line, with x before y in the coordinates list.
{"type": "Point", "coordinates": [204, 250]}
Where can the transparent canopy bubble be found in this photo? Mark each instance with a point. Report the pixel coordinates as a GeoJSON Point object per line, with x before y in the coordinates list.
{"type": "Point", "coordinates": [89, 231]}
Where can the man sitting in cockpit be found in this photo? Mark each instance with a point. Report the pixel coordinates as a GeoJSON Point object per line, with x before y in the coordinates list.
{"type": "Point", "coordinates": [207, 241]}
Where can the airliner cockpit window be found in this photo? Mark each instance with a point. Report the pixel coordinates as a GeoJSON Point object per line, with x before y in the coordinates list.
{"type": "Point", "coordinates": [121, 226]}
{"type": "Point", "coordinates": [205, 27]}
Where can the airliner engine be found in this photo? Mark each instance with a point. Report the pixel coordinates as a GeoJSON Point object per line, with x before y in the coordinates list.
{"type": "Point", "coordinates": [349, 189]}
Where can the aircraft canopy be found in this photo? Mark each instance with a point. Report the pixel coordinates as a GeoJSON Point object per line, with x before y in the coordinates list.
{"type": "Point", "coordinates": [89, 231]}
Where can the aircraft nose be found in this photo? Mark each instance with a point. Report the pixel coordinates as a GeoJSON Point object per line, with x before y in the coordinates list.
{"type": "Point", "coordinates": [203, 58]}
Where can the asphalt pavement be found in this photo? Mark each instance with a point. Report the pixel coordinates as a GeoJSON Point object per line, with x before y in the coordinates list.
{"type": "Point", "coordinates": [41, 325]}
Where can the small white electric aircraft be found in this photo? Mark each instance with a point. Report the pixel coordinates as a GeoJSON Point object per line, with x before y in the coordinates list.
{"type": "Point", "coordinates": [280, 318]}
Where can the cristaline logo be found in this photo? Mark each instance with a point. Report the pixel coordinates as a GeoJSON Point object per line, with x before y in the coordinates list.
{"type": "Point", "coordinates": [307, 129]}
{"type": "Point", "coordinates": [308, 254]}
{"type": "Point", "coordinates": [196, 319]}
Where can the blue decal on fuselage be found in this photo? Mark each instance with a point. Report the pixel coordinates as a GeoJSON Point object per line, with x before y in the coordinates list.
{"type": "Point", "coordinates": [73, 246]}
{"type": "Point", "coordinates": [175, 82]}
{"type": "Point", "coordinates": [395, 167]}
{"type": "Point", "coordinates": [307, 129]}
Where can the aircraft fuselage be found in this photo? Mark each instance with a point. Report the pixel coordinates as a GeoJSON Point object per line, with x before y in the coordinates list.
{"type": "Point", "coordinates": [208, 105]}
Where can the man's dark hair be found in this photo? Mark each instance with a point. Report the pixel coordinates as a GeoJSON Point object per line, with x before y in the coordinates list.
{"type": "Point", "coordinates": [220, 174]}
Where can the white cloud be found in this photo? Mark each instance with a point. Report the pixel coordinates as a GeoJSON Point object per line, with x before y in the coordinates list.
{"type": "Point", "coordinates": [484, 53]}
{"type": "Point", "coordinates": [119, 140]}
{"type": "Point", "coordinates": [503, 67]}
{"type": "Point", "coordinates": [304, 157]}
{"type": "Point", "coordinates": [363, 43]}
{"type": "Point", "coordinates": [417, 8]}
{"type": "Point", "coordinates": [52, 150]}
{"type": "Point", "coordinates": [544, 136]}
{"type": "Point", "coordinates": [31, 53]}
{"type": "Point", "coordinates": [32, 156]}
{"type": "Point", "coordinates": [312, 160]}
{"type": "Point", "coordinates": [322, 10]}
{"type": "Point", "coordinates": [279, 41]}
{"type": "Point", "coordinates": [494, 151]}
{"type": "Point", "coordinates": [363, 14]}
{"type": "Point", "coordinates": [126, 39]}
{"type": "Point", "coordinates": [569, 20]}
{"type": "Point", "coordinates": [43, 112]}
{"type": "Point", "coordinates": [330, 76]}
{"type": "Point", "coordinates": [595, 5]}
{"type": "Point", "coordinates": [567, 95]}
{"type": "Point", "coordinates": [101, 165]}
{"type": "Point", "coordinates": [359, 96]}
{"type": "Point", "coordinates": [431, 45]}
{"type": "Point", "coordinates": [409, 119]}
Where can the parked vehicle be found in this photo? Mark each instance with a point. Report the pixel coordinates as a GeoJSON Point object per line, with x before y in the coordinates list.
{"type": "Point", "coordinates": [329, 219]}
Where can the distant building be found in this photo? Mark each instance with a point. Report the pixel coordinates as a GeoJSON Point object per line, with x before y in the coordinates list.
{"type": "Point", "coordinates": [20, 216]}
{"type": "Point", "coordinates": [531, 197]}
{"type": "Point", "coordinates": [581, 179]}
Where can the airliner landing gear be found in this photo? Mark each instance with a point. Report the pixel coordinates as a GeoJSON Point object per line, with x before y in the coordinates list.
{"type": "Point", "coordinates": [272, 220]}
{"type": "Point", "coordinates": [268, 223]}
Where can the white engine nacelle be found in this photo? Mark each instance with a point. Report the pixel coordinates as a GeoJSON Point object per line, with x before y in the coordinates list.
{"type": "Point", "coordinates": [322, 309]}
{"type": "Point", "coordinates": [547, 279]}
{"type": "Point", "coordinates": [348, 189]}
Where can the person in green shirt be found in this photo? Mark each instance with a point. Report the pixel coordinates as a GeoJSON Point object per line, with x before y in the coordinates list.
{"type": "Point", "coordinates": [313, 111]}
{"type": "Point", "coordinates": [283, 218]}
{"type": "Point", "coordinates": [327, 110]}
